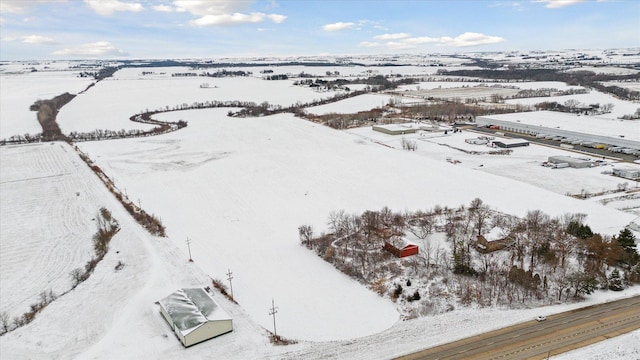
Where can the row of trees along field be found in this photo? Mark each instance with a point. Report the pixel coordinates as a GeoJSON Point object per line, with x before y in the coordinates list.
{"type": "Point", "coordinates": [544, 259]}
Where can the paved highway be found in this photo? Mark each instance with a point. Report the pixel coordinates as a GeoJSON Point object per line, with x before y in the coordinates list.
{"type": "Point", "coordinates": [538, 340]}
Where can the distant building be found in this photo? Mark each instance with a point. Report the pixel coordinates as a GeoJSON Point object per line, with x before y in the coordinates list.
{"type": "Point", "coordinates": [401, 247]}
{"type": "Point", "coordinates": [510, 143]}
{"type": "Point", "coordinates": [194, 316]}
{"type": "Point", "coordinates": [397, 129]}
{"type": "Point", "coordinates": [627, 173]}
{"type": "Point", "coordinates": [571, 161]}
{"type": "Point", "coordinates": [597, 130]}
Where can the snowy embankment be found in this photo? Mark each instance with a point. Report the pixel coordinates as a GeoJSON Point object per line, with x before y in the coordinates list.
{"type": "Point", "coordinates": [239, 189]}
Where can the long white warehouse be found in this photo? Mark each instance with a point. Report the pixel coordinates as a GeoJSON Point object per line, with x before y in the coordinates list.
{"type": "Point", "coordinates": [612, 132]}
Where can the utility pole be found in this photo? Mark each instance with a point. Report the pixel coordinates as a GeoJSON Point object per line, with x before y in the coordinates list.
{"type": "Point", "coordinates": [229, 277]}
{"type": "Point", "coordinates": [189, 247]}
{"type": "Point", "coordinates": [273, 311]}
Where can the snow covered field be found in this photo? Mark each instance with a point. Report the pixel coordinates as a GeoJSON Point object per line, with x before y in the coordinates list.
{"type": "Point", "coordinates": [238, 188]}
{"type": "Point", "coordinates": [19, 91]}
{"type": "Point", "coordinates": [47, 210]}
{"type": "Point", "coordinates": [242, 197]}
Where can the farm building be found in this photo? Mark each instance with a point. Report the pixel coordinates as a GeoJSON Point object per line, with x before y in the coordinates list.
{"type": "Point", "coordinates": [194, 316]}
{"type": "Point", "coordinates": [492, 241]}
{"type": "Point", "coordinates": [401, 247]}
{"type": "Point", "coordinates": [411, 128]}
{"type": "Point", "coordinates": [573, 162]}
{"type": "Point", "coordinates": [397, 129]}
{"type": "Point", "coordinates": [623, 133]}
{"type": "Point", "coordinates": [627, 173]}
{"type": "Point", "coordinates": [510, 143]}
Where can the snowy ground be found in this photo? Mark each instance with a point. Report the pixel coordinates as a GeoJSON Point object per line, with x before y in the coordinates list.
{"type": "Point", "coordinates": [114, 315]}
{"type": "Point", "coordinates": [620, 347]}
{"type": "Point", "coordinates": [522, 165]}
{"type": "Point", "coordinates": [620, 107]}
{"type": "Point", "coordinates": [19, 91]}
{"type": "Point", "coordinates": [257, 179]}
{"type": "Point", "coordinates": [239, 189]}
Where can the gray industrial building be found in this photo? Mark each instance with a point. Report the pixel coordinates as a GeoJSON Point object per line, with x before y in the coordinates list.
{"type": "Point", "coordinates": [597, 130]}
{"type": "Point", "coordinates": [573, 162]}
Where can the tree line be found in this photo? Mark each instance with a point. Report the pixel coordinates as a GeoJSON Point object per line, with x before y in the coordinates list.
{"type": "Point", "coordinates": [542, 259]}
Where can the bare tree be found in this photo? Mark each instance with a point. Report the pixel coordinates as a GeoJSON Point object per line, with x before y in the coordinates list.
{"type": "Point", "coordinates": [4, 322]}
{"type": "Point", "coordinates": [306, 235]}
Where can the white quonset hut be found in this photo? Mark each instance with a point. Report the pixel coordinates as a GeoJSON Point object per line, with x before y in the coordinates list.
{"type": "Point", "coordinates": [623, 133]}
{"type": "Point", "coordinates": [194, 316]}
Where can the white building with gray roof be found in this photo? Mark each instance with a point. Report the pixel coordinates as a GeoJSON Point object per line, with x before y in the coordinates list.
{"type": "Point", "coordinates": [195, 316]}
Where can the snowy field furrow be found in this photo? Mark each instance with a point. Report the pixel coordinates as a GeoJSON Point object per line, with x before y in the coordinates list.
{"type": "Point", "coordinates": [48, 203]}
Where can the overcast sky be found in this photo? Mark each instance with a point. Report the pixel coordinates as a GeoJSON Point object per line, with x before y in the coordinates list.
{"type": "Point", "coordinates": [143, 29]}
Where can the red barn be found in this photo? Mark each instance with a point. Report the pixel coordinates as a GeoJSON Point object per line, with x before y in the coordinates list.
{"type": "Point", "coordinates": [401, 248]}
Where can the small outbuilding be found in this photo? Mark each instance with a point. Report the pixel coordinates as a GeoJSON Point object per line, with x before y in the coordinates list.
{"type": "Point", "coordinates": [401, 247]}
{"type": "Point", "coordinates": [510, 143]}
{"type": "Point", "coordinates": [195, 316]}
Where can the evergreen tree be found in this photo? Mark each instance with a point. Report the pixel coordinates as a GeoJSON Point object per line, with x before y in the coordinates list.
{"type": "Point", "coordinates": [615, 282]}
{"type": "Point", "coordinates": [627, 240]}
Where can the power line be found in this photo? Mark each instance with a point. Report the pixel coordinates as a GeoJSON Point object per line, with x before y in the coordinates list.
{"type": "Point", "coordinates": [229, 277]}
{"type": "Point", "coordinates": [273, 311]}
{"type": "Point", "coordinates": [189, 247]}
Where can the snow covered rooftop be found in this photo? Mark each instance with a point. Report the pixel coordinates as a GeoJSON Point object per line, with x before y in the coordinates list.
{"type": "Point", "coordinates": [496, 233]}
{"type": "Point", "coordinates": [630, 129]}
{"type": "Point", "coordinates": [190, 308]}
{"type": "Point", "coordinates": [511, 141]}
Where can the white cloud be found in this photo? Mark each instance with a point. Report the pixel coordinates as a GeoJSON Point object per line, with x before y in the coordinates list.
{"type": "Point", "coordinates": [472, 39]}
{"type": "Point", "coordinates": [93, 50]}
{"type": "Point", "coordinates": [223, 12]}
{"type": "Point", "coordinates": [395, 36]}
{"type": "Point", "coordinates": [39, 40]}
{"type": "Point", "coordinates": [422, 40]}
{"type": "Point", "coordinates": [210, 7]}
{"type": "Point", "coordinates": [21, 6]}
{"type": "Point", "coordinates": [8, 38]}
{"type": "Point", "coordinates": [163, 8]}
{"type": "Point", "coordinates": [339, 26]}
{"type": "Point", "coordinates": [405, 42]}
{"type": "Point", "coordinates": [554, 4]}
{"type": "Point", "coordinates": [108, 7]}
{"type": "Point", "coordinates": [400, 45]}
{"type": "Point", "coordinates": [228, 19]}
{"type": "Point", "coordinates": [277, 18]}
{"type": "Point", "coordinates": [368, 44]}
